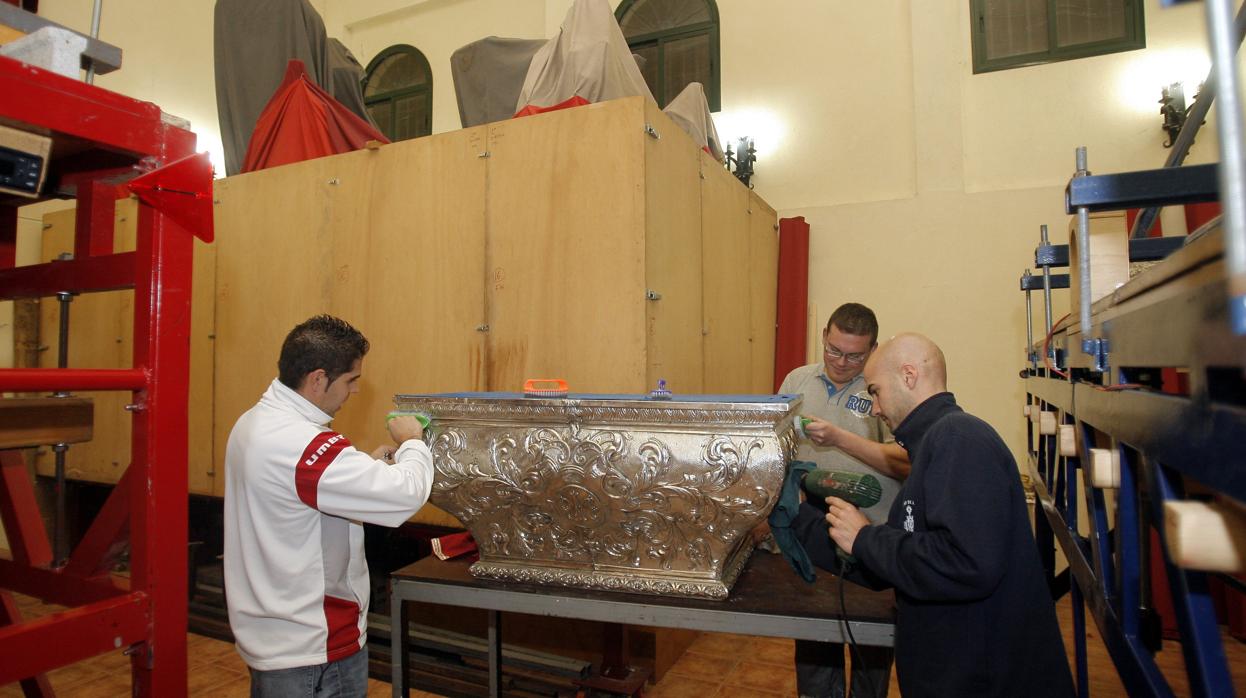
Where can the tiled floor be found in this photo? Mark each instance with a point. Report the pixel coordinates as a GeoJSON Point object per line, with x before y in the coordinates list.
{"type": "Point", "coordinates": [214, 669]}
{"type": "Point", "coordinates": [733, 665]}
{"type": "Point", "coordinates": [715, 665]}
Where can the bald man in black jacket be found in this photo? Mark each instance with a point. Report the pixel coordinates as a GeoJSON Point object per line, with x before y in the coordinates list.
{"type": "Point", "coordinates": [974, 615]}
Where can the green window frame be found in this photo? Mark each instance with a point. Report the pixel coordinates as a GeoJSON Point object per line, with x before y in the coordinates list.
{"type": "Point", "coordinates": [383, 106]}
{"type": "Point", "coordinates": [657, 42]}
{"type": "Point", "coordinates": [1134, 38]}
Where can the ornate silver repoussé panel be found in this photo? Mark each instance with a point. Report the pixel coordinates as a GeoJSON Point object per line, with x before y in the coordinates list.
{"type": "Point", "coordinates": [619, 493]}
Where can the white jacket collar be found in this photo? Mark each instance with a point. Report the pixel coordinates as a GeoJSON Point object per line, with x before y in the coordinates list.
{"type": "Point", "coordinates": [283, 397]}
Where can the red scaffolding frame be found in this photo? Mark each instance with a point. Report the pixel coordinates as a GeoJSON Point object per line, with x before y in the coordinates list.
{"type": "Point", "coordinates": [102, 141]}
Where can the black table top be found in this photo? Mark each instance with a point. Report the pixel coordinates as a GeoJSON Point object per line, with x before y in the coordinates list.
{"type": "Point", "coordinates": [768, 586]}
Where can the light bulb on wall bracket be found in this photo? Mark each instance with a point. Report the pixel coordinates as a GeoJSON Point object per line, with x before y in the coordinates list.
{"type": "Point", "coordinates": [1174, 110]}
{"type": "Point", "coordinates": [1135, 81]}
{"type": "Point", "coordinates": [742, 159]}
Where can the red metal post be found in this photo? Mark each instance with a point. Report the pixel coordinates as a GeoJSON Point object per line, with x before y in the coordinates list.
{"type": "Point", "coordinates": [111, 137]}
{"type": "Point", "coordinates": [40, 645]}
{"type": "Point", "coordinates": [8, 236]}
{"type": "Point", "coordinates": [70, 107]}
{"type": "Point", "coordinates": [55, 587]}
{"type": "Point", "coordinates": [108, 273]}
{"type": "Point", "coordinates": [97, 551]}
{"type": "Point", "coordinates": [19, 512]}
{"type": "Point", "coordinates": [158, 496]}
{"type": "Point", "coordinates": [71, 379]}
{"type": "Point", "coordinates": [9, 615]}
{"type": "Point", "coordinates": [93, 220]}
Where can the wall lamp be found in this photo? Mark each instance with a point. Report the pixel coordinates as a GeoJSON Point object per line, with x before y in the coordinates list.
{"type": "Point", "coordinates": [1174, 110]}
{"type": "Point", "coordinates": [742, 159]}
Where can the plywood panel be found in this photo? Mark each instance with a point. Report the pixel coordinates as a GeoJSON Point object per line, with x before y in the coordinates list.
{"type": "Point", "coordinates": [276, 266]}
{"type": "Point", "coordinates": [200, 460]}
{"type": "Point", "coordinates": [565, 248]}
{"type": "Point", "coordinates": [419, 293]}
{"type": "Point", "coordinates": [100, 336]}
{"type": "Point", "coordinates": [390, 240]}
{"type": "Point", "coordinates": [763, 243]}
{"type": "Point", "coordinates": [673, 256]}
{"type": "Point", "coordinates": [725, 263]}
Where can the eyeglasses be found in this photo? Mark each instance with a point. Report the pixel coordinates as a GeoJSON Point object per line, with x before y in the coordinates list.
{"type": "Point", "coordinates": [835, 354]}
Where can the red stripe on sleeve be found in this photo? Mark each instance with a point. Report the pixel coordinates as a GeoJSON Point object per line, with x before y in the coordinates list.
{"type": "Point", "coordinates": [316, 458]}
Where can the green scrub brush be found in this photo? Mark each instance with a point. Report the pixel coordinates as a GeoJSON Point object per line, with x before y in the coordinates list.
{"type": "Point", "coordinates": [425, 420]}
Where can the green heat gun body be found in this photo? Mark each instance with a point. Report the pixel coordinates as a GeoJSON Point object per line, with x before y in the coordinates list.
{"type": "Point", "coordinates": [861, 490]}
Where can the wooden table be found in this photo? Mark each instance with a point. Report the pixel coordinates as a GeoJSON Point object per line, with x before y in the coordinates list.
{"type": "Point", "coordinates": [768, 599]}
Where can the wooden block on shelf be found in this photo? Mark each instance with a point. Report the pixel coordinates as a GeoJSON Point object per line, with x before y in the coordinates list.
{"type": "Point", "coordinates": [1105, 468]}
{"type": "Point", "coordinates": [40, 421]}
{"type": "Point", "coordinates": [1109, 257]}
{"type": "Point", "coordinates": [1209, 536]}
{"type": "Point", "coordinates": [1069, 439]}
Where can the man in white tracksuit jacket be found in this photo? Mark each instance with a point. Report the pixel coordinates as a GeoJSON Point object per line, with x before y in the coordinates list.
{"type": "Point", "coordinates": [296, 581]}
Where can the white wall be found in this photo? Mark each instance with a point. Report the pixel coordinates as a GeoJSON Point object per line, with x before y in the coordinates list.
{"type": "Point", "coordinates": [436, 28]}
{"type": "Point", "coordinates": [923, 183]}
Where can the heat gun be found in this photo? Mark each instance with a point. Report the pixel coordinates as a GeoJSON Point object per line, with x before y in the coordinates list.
{"type": "Point", "coordinates": [861, 490]}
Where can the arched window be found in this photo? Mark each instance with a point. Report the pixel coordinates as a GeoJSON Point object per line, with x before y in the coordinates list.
{"type": "Point", "coordinates": [398, 92]}
{"type": "Point", "coordinates": [678, 40]}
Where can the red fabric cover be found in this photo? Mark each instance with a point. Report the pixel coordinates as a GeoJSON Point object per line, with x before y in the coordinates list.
{"type": "Point", "coordinates": [302, 122]}
{"type": "Point", "coordinates": [531, 109]}
{"type": "Point", "coordinates": [453, 545]}
{"type": "Point", "coordinates": [792, 314]}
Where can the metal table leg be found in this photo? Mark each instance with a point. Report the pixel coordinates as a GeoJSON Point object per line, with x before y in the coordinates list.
{"type": "Point", "coordinates": [398, 658]}
{"type": "Point", "coordinates": [495, 653]}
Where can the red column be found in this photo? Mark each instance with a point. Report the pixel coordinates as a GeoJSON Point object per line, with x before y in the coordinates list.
{"type": "Point", "coordinates": [93, 221]}
{"type": "Point", "coordinates": [793, 297]}
{"type": "Point", "coordinates": [8, 237]}
{"type": "Point", "coordinates": [158, 495]}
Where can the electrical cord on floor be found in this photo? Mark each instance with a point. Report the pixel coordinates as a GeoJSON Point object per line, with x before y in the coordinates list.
{"type": "Point", "coordinates": [844, 567]}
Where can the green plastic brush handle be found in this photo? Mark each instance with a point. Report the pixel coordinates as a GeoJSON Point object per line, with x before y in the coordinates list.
{"type": "Point", "coordinates": [425, 420]}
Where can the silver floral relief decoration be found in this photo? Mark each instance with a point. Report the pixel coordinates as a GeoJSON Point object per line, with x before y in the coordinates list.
{"type": "Point", "coordinates": [572, 495]}
{"type": "Point", "coordinates": [588, 411]}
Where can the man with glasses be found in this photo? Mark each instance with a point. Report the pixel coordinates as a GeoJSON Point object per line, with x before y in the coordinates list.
{"type": "Point", "coordinates": [844, 436]}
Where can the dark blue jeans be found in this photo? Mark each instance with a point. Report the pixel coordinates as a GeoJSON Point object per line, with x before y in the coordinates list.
{"type": "Point", "coordinates": [345, 678]}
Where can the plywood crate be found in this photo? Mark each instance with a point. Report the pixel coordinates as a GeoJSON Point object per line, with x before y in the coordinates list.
{"type": "Point", "coordinates": [571, 244]}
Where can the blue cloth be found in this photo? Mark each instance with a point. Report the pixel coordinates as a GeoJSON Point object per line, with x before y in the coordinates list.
{"type": "Point", "coordinates": [345, 678]}
{"type": "Point", "coordinates": [783, 516]}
